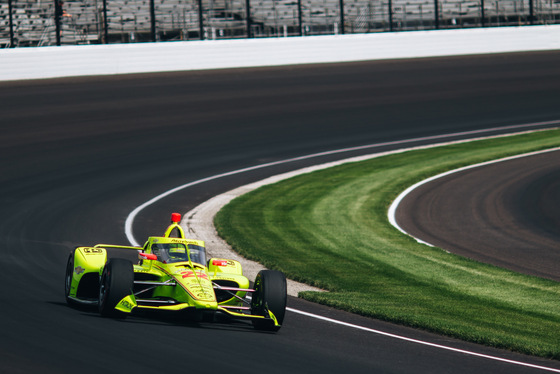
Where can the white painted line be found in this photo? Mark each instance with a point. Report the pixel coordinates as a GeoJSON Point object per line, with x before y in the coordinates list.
{"type": "Point", "coordinates": [394, 206]}
{"type": "Point", "coordinates": [439, 346]}
{"type": "Point", "coordinates": [130, 219]}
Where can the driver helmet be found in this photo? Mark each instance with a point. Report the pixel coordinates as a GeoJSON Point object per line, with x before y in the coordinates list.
{"type": "Point", "coordinates": [178, 252]}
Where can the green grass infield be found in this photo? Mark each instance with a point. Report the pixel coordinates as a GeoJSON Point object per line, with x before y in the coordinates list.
{"type": "Point", "coordinates": [330, 229]}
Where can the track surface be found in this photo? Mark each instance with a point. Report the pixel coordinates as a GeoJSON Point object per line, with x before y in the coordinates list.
{"type": "Point", "coordinates": [505, 214]}
{"type": "Point", "coordinates": [78, 155]}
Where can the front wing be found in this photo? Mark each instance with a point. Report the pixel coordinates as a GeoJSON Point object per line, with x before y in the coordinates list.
{"type": "Point", "coordinates": [129, 303]}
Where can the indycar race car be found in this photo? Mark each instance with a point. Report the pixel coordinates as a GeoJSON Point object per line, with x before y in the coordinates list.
{"type": "Point", "coordinates": [173, 275]}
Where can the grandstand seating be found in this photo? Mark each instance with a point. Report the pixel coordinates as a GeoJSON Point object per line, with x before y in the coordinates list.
{"type": "Point", "coordinates": [130, 20]}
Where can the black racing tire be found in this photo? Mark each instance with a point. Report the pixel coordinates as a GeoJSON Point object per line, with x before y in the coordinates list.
{"type": "Point", "coordinates": [68, 279]}
{"type": "Point", "coordinates": [117, 281]}
{"type": "Point", "coordinates": [270, 293]}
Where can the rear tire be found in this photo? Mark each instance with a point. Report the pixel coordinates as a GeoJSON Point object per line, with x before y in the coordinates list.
{"type": "Point", "coordinates": [270, 293]}
{"type": "Point", "coordinates": [117, 281]}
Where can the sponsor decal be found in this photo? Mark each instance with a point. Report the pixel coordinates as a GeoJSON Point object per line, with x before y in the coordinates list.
{"type": "Point", "coordinates": [127, 304]}
{"type": "Point", "coordinates": [190, 274]}
{"type": "Point", "coordinates": [92, 251]}
{"type": "Point", "coordinates": [79, 270]}
{"type": "Point", "coordinates": [222, 262]}
{"type": "Point", "coordinates": [186, 241]}
{"type": "Point", "coordinates": [201, 292]}
{"type": "Point", "coordinates": [222, 277]}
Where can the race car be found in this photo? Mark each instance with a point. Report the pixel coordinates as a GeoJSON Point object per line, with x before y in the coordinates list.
{"type": "Point", "coordinates": [173, 275]}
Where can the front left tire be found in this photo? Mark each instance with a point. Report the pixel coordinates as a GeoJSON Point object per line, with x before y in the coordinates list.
{"type": "Point", "coordinates": [117, 281]}
{"type": "Point", "coordinates": [68, 279]}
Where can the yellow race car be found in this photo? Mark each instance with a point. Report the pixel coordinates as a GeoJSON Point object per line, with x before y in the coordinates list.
{"type": "Point", "coordinates": [173, 274]}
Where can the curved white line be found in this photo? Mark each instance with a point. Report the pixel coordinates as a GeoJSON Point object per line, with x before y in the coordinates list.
{"type": "Point", "coordinates": [130, 219]}
{"type": "Point", "coordinates": [393, 208]}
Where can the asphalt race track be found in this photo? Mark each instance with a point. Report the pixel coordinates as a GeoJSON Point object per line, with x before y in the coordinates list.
{"type": "Point", "coordinates": [78, 155]}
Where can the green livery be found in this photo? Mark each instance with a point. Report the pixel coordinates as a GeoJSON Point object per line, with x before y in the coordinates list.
{"type": "Point", "coordinates": [173, 274]}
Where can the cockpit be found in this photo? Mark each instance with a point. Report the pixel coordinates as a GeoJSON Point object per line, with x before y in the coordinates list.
{"type": "Point", "coordinates": [179, 252]}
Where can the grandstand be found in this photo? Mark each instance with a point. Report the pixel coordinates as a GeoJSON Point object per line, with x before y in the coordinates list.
{"type": "Point", "coordinates": [33, 21]}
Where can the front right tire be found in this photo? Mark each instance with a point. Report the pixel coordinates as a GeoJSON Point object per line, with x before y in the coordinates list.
{"type": "Point", "coordinates": [270, 294]}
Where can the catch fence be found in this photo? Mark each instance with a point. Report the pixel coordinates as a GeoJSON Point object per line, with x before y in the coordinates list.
{"type": "Point", "coordinates": [54, 22]}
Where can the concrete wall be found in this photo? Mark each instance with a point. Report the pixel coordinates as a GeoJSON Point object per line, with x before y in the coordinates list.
{"type": "Point", "coordinates": [66, 61]}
